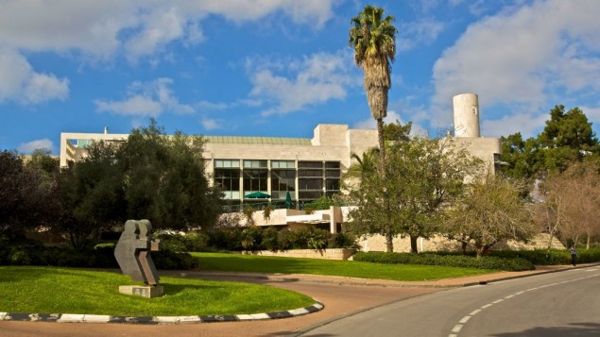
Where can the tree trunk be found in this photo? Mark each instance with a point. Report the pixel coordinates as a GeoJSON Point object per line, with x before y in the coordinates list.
{"type": "Point", "coordinates": [587, 242]}
{"type": "Point", "coordinates": [389, 243]}
{"type": "Point", "coordinates": [463, 246]}
{"type": "Point", "coordinates": [413, 244]}
{"type": "Point", "coordinates": [381, 140]}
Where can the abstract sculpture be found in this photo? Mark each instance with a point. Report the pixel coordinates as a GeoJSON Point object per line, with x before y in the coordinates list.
{"type": "Point", "coordinates": [133, 256]}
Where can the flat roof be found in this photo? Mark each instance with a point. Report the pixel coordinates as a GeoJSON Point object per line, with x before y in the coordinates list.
{"type": "Point", "coordinates": [257, 140]}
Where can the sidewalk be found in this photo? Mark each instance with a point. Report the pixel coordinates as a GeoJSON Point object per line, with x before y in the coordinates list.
{"type": "Point", "coordinates": [342, 296]}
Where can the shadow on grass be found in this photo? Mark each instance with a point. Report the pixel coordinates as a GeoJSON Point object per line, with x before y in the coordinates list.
{"type": "Point", "coordinates": [172, 289]}
{"type": "Point", "coordinates": [572, 330]}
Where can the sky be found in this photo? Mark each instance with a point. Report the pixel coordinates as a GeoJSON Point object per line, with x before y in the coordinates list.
{"type": "Point", "coordinates": [280, 67]}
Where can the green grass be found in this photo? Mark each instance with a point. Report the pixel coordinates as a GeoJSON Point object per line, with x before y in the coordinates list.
{"type": "Point", "coordinates": [64, 290]}
{"type": "Point", "coordinates": [268, 264]}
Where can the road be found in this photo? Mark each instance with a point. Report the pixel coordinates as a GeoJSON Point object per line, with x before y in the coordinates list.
{"type": "Point", "coordinates": [558, 304]}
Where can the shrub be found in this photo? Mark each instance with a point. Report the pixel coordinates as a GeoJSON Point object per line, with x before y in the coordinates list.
{"type": "Point", "coordinates": [484, 262]}
{"type": "Point", "coordinates": [251, 238]}
{"type": "Point", "coordinates": [343, 240]}
{"type": "Point", "coordinates": [270, 239]}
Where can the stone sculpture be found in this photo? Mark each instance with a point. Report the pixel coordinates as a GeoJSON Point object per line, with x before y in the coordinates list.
{"type": "Point", "coordinates": [133, 256]}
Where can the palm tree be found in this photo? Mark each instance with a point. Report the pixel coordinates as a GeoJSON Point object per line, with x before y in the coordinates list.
{"type": "Point", "coordinates": [374, 41]}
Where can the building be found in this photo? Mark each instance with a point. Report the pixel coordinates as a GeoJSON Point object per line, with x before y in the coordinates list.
{"type": "Point", "coordinates": [306, 168]}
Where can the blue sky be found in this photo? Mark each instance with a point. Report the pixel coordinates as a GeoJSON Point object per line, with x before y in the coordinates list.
{"type": "Point", "coordinates": [279, 67]}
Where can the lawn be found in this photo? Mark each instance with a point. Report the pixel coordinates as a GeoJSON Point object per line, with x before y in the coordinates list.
{"type": "Point", "coordinates": [65, 290]}
{"type": "Point", "coordinates": [284, 265]}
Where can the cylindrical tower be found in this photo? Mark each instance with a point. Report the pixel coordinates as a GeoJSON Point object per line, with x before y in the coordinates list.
{"type": "Point", "coordinates": [466, 115]}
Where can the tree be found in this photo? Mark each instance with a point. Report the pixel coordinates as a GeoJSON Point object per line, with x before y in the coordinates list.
{"type": "Point", "coordinates": [165, 181]}
{"type": "Point", "coordinates": [421, 177]}
{"type": "Point", "coordinates": [567, 137]}
{"type": "Point", "coordinates": [373, 38]}
{"type": "Point", "coordinates": [491, 211]}
{"type": "Point", "coordinates": [431, 175]}
{"type": "Point", "coordinates": [570, 203]}
{"type": "Point", "coordinates": [24, 197]}
{"type": "Point", "coordinates": [90, 196]}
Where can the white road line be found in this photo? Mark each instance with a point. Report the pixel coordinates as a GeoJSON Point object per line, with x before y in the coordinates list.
{"type": "Point", "coordinates": [457, 328]}
{"type": "Point", "coordinates": [475, 312]}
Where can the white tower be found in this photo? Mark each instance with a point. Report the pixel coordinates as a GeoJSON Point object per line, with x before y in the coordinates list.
{"type": "Point", "coordinates": [466, 115]}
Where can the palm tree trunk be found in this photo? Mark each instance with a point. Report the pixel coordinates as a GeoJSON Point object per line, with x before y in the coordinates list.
{"type": "Point", "coordinates": [389, 235]}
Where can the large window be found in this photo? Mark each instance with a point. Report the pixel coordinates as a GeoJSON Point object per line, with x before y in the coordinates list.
{"type": "Point", "coordinates": [310, 180]}
{"type": "Point", "coordinates": [256, 173]}
{"type": "Point", "coordinates": [332, 177]}
{"type": "Point", "coordinates": [227, 177]}
{"type": "Point", "coordinates": [283, 181]}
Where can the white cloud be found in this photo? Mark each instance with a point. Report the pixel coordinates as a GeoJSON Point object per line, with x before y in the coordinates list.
{"type": "Point", "coordinates": [146, 99]}
{"type": "Point", "coordinates": [38, 144]}
{"type": "Point", "coordinates": [526, 123]}
{"type": "Point", "coordinates": [21, 83]}
{"type": "Point", "coordinates": [412, 34]}
{"type": "Point", "coordinates": [522, 56]}
{"type": "Point", "coordinates": [593, 114]}
{"type": "Point", "coordinates": [210, 124]}
{"type": "Point", "coordinates": [296, 84]}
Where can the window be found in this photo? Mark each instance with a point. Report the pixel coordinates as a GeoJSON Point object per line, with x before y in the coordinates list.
{"type": "Point", "coordinates": [228, 181]}
{"type": "Point", "coordinates": [255, 164]}
{"type": "Point", "coordinates": [283, 164]}
{"type": "Point", "coordinates": [227, 163]}
{"type": "Point", "coordinates": [282, 181]}
{"type": "Point", "coordinates": [255, 180]}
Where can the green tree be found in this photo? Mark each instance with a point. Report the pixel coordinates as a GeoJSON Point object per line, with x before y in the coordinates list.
{"type": "Point", "coordinates": [491, 211]}
{"type": "Point", "coordinates": [373, 38]}
{"type": "Point", "coordinates": [90, 197]}
{"type": "Point", "coordinates": [24, 197]}
{"type": "Point", "coordinates": [165, 181]}
{"type": "Point", "coordinates": [567, 137]}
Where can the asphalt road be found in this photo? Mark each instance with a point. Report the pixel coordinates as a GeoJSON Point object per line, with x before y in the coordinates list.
{"type": "Point", "coordinates": [559, 304]}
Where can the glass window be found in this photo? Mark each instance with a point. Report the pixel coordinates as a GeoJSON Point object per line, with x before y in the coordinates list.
{"type": "Point", "coordinates": [332, 184]}
{"type": "Point", "coordinates": [255, 180]}
{"type": "Point", "coordinates": [310, 184]}
{"type": "Point", "coordinates": [282, 181]}
{"type": "Point", "coordinates": [332, 164]}
{"type": "Point", "coordinates": [310, 164]}
{"type": "Point", "coordinates": [283, 164]}
{"type": "Point", "coordinates": [227, 163]}
{"type": "Point", "coordinates": [228, 181]}
{"type": "Point", "coordinates": [255, 164]}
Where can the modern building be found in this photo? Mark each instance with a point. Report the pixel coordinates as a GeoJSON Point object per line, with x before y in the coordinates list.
{"type": "Point", "coordinates": [306, 168]}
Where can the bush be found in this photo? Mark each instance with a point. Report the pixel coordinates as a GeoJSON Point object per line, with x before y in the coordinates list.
{"type": "Point", "coordinates": [99, 257]}
{"type": "Point", "coordinates": [484, 262]}
{"type": "Point", "coordinates": [188, 242]}
{"type": "Point", "coordinates": [270, 239]}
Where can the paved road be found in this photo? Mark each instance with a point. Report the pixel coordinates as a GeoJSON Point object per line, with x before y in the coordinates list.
{"type": "Point", "coordinates": [559, 304]}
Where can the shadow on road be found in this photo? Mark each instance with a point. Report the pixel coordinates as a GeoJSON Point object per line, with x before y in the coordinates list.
{"type": "Point", "coordinates": [573, 330]}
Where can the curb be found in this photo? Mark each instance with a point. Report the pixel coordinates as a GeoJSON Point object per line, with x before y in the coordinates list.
{"type": "Point", "coordinates": [85, 318]}
{"type": "Point", "coordinates": [483, 282]}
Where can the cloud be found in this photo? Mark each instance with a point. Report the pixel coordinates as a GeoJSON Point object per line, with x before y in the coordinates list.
{"type": "Point", "coordinates": [593, 114]}
{"type": "Point", "coordinates": [38, 144]}
{"type": "Point", "coordinates": [522, 56]}
{"type": "Point", "coordinates": [210, 124]}
{"type": "Point", "coordinates": [146, 99]}
{"type": "Point", "coordinates": [292, 85]}
{"type": "Point", "coordinates": [412, 34]}
{"type": "Point", "coordinates": [22, 84]}
{"type": "Point", "coordinates": [527, 124]}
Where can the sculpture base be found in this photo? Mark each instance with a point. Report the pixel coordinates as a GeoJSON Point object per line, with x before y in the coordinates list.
{"type": "Point", "coordinates": [142, 291]}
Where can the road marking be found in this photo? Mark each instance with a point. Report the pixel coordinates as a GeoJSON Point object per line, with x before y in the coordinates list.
{"type": "Point", "coordinates": [458, 327]}
{"type": "Point", "coordinates": [475, 312]}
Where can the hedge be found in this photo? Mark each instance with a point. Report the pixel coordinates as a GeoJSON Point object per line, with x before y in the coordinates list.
{"type": "Point", "coordinates": [540, 256]}
{"type": "Point", "coordinates": [484, 262]}
{"type": "Point", "coordinates": [99, 257]}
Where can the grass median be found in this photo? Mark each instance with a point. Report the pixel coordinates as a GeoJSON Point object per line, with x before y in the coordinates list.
{"type": "Point", "coordinates": [285, 265]}
{"type": "Point", "coordinates": [66, 290]}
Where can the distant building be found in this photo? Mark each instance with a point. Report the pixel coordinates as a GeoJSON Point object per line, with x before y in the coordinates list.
{"type": "Point", "coordinates": [307, 168]}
